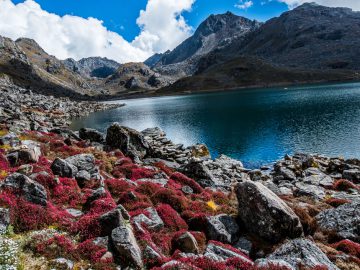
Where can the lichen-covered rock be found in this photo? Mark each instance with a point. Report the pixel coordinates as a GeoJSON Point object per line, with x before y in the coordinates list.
{"type": "Point", "coordinates": [265, 214]}
{"type": "Point", "coordinates": [127, 249]}
{"type": "Point", "coordinates": [129, 141]}
{"type": "Point", "coordinates": [30, 190]}
{"type": "Point", "coordinates": [344, 220]}
{"type": "Point", "coordinates": [63, 168]}
{"type": "Point", "coordinates": [222, 228]}
{"type": "Point", "coordinates": [302, 251]}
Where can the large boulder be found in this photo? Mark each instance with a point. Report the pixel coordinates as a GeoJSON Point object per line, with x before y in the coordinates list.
{"type": "Point", "coordinates": [302, 251]}
{"type": "Point", "coordinates": [222, 228]}
{"type": "Point", "coordinates": [129, 141]}
{"type": "Point", "coordinates": [344, 220]}
{"type": "Point", "coordinates": [265, 214]}
{"type": "Point", "coordinates": [63, 168]}
{"type": "Point", "coordinates": [30, 190]}
{"type": "Point", "coordinates": [200, 173]}
{"type": "Point", "coordinates": [127, 249]}
{"type": "Point", "coordinates": [92, 135]}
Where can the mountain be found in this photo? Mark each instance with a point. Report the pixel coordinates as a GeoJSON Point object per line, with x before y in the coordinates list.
{"type": "Point", "coordinates": [310, 43]}
{"type": "Point", "coordinates": [134, 78]}
{"type": "Point", "coordinates": [97, 67]}
{"type": "Point", "coordinates": [216, 32]}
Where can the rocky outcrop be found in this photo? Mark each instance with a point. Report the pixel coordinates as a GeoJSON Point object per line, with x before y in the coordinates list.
{"type": "Point", "coordinates": [222, 228]}
{"type": "Point", "coordinates": [63, 168]}
{"type": "Point", "coordinates": [23, 186]}
{"type": "Point", "coordinates": [265, 214]}
{"type": "Point", "coordinates": [302, 252]}
{"type": "Point", "coordinates": [129, 141]}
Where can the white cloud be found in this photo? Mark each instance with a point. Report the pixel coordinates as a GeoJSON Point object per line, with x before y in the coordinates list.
{"type": "Point", "coordinates": [244, 4]}
{"type": "Point", "coordinates": [162, 28]}
{"type": "Point", "coordinates": [354, 4]}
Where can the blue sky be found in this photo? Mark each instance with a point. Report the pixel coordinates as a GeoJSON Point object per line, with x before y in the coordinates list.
{"type": "Point", "coordinates": [120, 15]}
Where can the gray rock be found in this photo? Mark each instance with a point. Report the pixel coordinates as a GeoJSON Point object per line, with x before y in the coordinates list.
{"type": "Point", "coordinates": [286, 173]}
{"type": "Point", "coordinates": [222, 228]}
{"type": "Point", "coordinates": [316, 192]}
{"type": "Point", "coordinates": [4, 220]}
{"type": "Point", "coordinates": [83, 162]}
{"type": "Point", "coordinates": [31, 190]}
{"type": "Point", "coordinates": [304, 251]}
{"type": "Point", "coordinates": [265, 214]}
{"type": "Point", "coordinates": [187, 243]}
{"type": "Point", "coordinates": [92, 135]}
{"type": "Point", "coordinates": [82, 177]}
{"type": "Point", "coordinates": [200, 173]}
{"type": "Point", "coordinates": [267, 264]}
{"type": "Point", "coordinates": [150, 254]}
{"type": "Point", "coordinates": [110, 221]}
{"type": "Point", "coordinates": [219, 253]}
{"type": "Point", "coordinates": [129, 141]}
{"type": "Point", "coordinates": [187, 190]}
{"type": "Point", "coordinates": [152, 220]}
{"type": "Point", "coordinates": [127, 250]}
{"type": "Point", "coordinates": [244, 245]}
{"type": "Point", "coordinates": [63, 168]}
{"type": "Point", "coordinates": [344, 220]}
{"type": "Point", "coordinates": [74, 212]}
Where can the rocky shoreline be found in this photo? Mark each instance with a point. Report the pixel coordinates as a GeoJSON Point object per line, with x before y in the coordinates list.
{"type": "Point", "coordinates": [135, 200]}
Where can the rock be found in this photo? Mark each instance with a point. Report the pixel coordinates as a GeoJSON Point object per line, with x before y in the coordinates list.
{"type": "Point", "coordinates": [222, 228]}
{"type": "Point", "coordinates": [61, 264]}
{"type": "Point", "coordinates": [74, 212]}
{"type": "Point", "coordinates": [63, 168]}
{"type": "Point", "coordinates": [265, 214]}
{"type": "Point", "coordinates": [29, 153]}
{"type": "Point", "coordinates": [127, 250]}
{"type": "Point", "coordinates": [200, 173]}
{"type": "Point", "coordinates": [150, 254]}
{"type": "Point", "coordinates": [352, 175]}
{"type": "Point", "coordinates": [31, 190]}
{"type": "Point", "coordinates": [220, 253]}
{"type": "Point", "coordinates": [344, 220]}
{"type": "Point", "coordinates": [82, 177]}
{"type": "Point", "coordinates": [10, 139]}
{"type": "Point", "coordinates": [83, 162]}
{"type": "Point", "coordinates": [286, 173]}
{"type": "Point", "coordinates": [302, 251]}
{"type": "Point", "coordinates": [186, 243]}
{"type": "Point", "coordinates": [152, 220]}
{"type": "Point", "coordinates": [187, 190]}
{"type": "Point", "coordinates": [4, 220]}
{"type": "Point", "coordinates": [97, 194]}
{"type": "Point", "coordinates": [316, 192]}
{"type": "Point", "coordinates": [273, 264]}
{"type": "Point", "coordinates": [129, 141]}
{"type": "Point", "coordinates": [244, 245]}
{"type": "Point", "coordinates": [92, 135]}
{"type": "Point", "coordinates": [111, 220]}
{"type": "Point", "coordinates": [26, 169]}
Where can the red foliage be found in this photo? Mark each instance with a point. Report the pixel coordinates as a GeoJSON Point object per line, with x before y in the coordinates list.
{"type": "Point", "coordinates": [139, 173]}
{"type": "Point", "coordinates": [89, 250]}
{"type": "Point", "coordinates": [334, 202]}
{"type": "Point", "coordinates": [134, 200]}
{"type": "Point", "coordinates": [87, 226]}
{"type": "Point", "coordinates": [67, 193]}
{"type": "Point", "coordinates": [168, 196]}
{"type": "Point", "coordinates": [348, 247]}
{"type": "Point", "coordinates": [184, 180]}
{"type": "Point", "coordinates": [171, 219]}
{"type": "Point", "coordinates": [117, 186]}
{"type": "Point", "coordinates": [344, 185]}
{"type": "Point", "coordinates": [164, 168]}
{"type": "Point", "coordinates": [148, 188]}
{"type": "Point", "coordinates": [57, 246]}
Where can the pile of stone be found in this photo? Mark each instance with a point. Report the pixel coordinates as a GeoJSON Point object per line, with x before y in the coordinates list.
{"type": "Point", "coordinates": [22, 109]}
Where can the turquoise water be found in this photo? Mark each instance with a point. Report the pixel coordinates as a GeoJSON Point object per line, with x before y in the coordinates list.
{"type": "Point", "coordinates": [255, 126]}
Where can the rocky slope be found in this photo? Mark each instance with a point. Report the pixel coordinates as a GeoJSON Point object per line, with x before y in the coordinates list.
{"type": "Point", "coordinates": [97, 67]}
{"type": "Point", "coordinates": [311, 43]}
{"type": "Point", "coordinates": [135, 200]}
